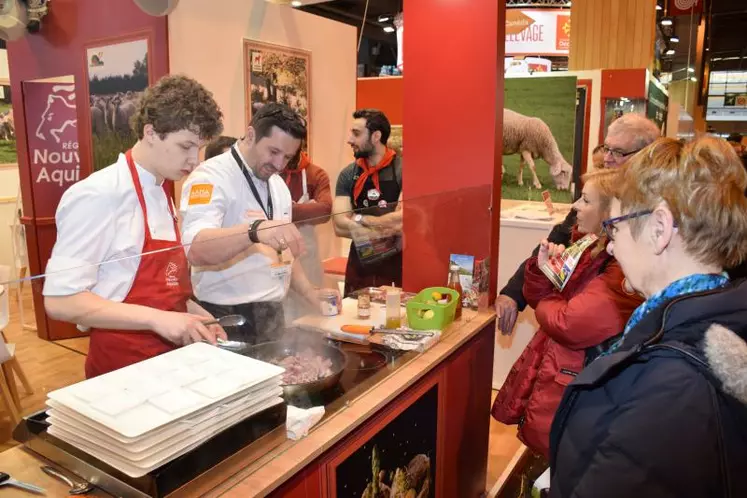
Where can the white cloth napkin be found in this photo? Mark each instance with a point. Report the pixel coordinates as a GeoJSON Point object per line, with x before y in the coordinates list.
{"type": "Point", "coordinates": [422, 344]}
{"type": "Point", "coordinates": [299, 421]}
{"type": "Point", "coordinates": [542, 482]}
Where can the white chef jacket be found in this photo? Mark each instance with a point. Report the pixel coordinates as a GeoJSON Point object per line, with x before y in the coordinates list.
{"type": "Point", "coordinates": [220, 198]}
{"type": "Point", "coordinates": [99, 219]}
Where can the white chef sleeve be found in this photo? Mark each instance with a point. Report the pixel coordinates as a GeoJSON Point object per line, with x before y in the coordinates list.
{"type": "Point", "coordinates": [203, 205]}
{"type": "Point", "coordinates": [85, 232]}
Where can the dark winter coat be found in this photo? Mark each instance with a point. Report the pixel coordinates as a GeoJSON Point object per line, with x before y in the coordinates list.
{"type": "Point", "coordinates": [666, 415]}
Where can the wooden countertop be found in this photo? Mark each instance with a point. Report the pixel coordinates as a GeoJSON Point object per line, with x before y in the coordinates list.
{"type": "Point", "coordinates": [263, 466]}
{"type": "Point", "coordinates": [24, 466]}
{"type": "Point", "coordinates": [280, 464]}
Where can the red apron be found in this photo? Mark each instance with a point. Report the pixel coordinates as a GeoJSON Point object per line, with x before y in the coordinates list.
{"type": "Point", "coordinates": [162, 281]}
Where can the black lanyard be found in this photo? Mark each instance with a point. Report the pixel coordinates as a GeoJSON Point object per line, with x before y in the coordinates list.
{"type": "Point", "coordinates": [240, 163]}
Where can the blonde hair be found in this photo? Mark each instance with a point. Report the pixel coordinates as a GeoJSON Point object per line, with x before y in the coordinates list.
{"type": "Point", "coordinates": [604, 180]}
{"type": "Point", "coordinates": [703, 184]}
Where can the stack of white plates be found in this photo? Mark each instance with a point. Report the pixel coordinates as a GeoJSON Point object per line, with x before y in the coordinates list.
{"type": "Point", "coordinates": [141, 417]}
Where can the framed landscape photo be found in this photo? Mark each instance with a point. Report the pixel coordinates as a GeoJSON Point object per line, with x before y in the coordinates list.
{"type": "Point", "coordinates": [273, 73]}
{"type": "Point", "coordinates": [117, 74]}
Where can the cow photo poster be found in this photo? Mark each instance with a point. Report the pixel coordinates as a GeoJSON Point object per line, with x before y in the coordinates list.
{"type": "Point", "coordinates": [117, 76]}
{"type": "Point", "coordinates": [273, 73]}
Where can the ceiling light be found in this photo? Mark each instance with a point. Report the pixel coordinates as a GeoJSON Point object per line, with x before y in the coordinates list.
{"type": "Point", "coordinates": [389, 29]}
{"type": "Point", "coordinates": [669, 52]}
{"type": "Point", "coordinates": [674, 39]}
{"type": "Point", "coordinates": [690, 70]}
{"type": "Point", "coordinates": [693, 78]}
{"type": "Point", "coordinates": [296, 3]}
{"type": "Point", "coordinates": [666, 21]}
{"type": "Point", "coordinates": [568, 4]}
{"type": "Point", "coordinates": [385, 18]}
{"type": "Point", "coordinates": [658, 7]}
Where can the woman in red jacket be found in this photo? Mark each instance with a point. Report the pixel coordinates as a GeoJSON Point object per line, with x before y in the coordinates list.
{"type": "Point", "coordinates": [592, 308]}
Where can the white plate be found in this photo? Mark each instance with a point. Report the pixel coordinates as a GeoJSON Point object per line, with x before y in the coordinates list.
{"type": "Point", "coordinates": [249, 396]}
{"type": "Point", "coordinates": [148, 449]}
{"type": "Point", "coordinates": [156, 461]}
{"type": "Point", "coordinates": [120, 400]}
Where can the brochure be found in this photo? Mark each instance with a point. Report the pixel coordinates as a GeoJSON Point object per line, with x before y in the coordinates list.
{"type": "Point", "coordinates": [560, 269]}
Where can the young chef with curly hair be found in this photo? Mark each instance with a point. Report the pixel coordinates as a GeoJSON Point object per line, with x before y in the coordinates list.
{"type": "Point", "coordinates": [118, 267]}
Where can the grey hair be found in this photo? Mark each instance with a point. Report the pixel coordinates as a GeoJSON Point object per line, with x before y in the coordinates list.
{"type": "Point", "coordinates": [643, 130]}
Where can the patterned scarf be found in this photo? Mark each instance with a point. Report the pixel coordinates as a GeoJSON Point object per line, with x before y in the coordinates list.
{"type": "Point", "coordinates": [691, 284]}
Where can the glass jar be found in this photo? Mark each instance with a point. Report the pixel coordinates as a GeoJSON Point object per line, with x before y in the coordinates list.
{"type": "Point", "coordinates": [456, 284]}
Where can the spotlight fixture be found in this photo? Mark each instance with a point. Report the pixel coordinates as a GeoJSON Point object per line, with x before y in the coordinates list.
{"type": "Point", "coordinates": [693, 78]}
{"type": "Point", "coordinates": [674, 39]}
{"type": "Point", "coordinates": [389, 29]}
{"type": "Point", "coordinates": [666, 21]}
{"type": "Point", "coordinates": [296, 3]}
{"type": "Point", "coordinates": [690, 70]}
{"type": "Point", "coordinates": [669, 52]}
{"type": "Point", "coordinates": [659, 7]}
{"type": "Point", "coordinates": [385, 18]}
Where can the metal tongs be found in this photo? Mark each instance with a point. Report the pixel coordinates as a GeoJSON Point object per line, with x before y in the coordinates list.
{"type": "Point", "coordinates": [228, 321]}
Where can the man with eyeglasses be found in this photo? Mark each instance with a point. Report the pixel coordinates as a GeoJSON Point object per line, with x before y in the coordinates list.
{"type": "Point", "coordinates": [625, 136]}
{"type": "Point", "coordinates": [237, 215]}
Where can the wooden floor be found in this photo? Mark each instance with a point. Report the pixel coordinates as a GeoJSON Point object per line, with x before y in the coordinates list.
{"type": "Point", "coordinates": [47, 365]}
{"type": "Point", "coordinates": [50, 366]}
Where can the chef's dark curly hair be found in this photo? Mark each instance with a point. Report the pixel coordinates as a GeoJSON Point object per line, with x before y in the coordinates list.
{"type": "Point", "coordinates": [277, 115]}
{"type": "Point", "coordinates": [178, 103]}
{"type": "Point", "coordinates": [375, 121]}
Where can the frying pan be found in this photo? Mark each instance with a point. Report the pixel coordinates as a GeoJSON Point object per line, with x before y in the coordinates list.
{"type": "Point", "coordinates": [291, 345]}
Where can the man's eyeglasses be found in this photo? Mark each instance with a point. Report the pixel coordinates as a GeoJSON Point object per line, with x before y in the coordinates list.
{"type": "Point", "coordinates": [609, 226]}
{"type": "Point", "coordinates": [617, 153]}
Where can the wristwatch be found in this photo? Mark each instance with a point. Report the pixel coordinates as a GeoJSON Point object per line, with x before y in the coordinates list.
{"type": "Point", "coordinates": [253, 231]}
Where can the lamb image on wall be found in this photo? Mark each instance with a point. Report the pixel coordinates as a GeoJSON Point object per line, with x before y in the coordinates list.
{"type": "Point", "coordinates": [531, 138]}
{"type": "Point", "coordinates": [117, 77]}
{"type": "Point", "coordinates": [539, 131]}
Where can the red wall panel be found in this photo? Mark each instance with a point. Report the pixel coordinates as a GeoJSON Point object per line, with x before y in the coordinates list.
{"type": "Point", "coordinates": [631, 83]}
{"type": "Point", "coordinates": [59, 50]}
{"type": "Point", "coordinates": [385, 94]}
{"type": "Point", "coordinates": [453, 101]}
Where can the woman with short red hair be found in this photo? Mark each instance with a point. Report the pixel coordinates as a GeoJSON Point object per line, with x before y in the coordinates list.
{"type": "Point", "coordinates": [663, 413]}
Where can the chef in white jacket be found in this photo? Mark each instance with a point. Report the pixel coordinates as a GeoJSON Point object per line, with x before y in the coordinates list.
{"type": "Point", "coordinates": [237, 221]}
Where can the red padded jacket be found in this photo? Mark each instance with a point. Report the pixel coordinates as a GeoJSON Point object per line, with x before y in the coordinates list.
{"type": "Point", "coordinates": [592, 308]}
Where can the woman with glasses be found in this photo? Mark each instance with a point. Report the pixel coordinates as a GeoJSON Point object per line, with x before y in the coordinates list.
{"type": "Point", "coordinates": [663, 412]}
{"type": "Point", "coordinates": [591, 309]}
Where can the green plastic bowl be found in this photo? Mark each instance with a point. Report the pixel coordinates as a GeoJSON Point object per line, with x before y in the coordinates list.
{"type": "Point", "coordinates": [443, 314]}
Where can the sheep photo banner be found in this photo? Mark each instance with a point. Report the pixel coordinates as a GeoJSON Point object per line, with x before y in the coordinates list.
{"type": "Point", "coordinates": [117, 75]}
{"type": "Point", "coordinates": [538, 138]}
